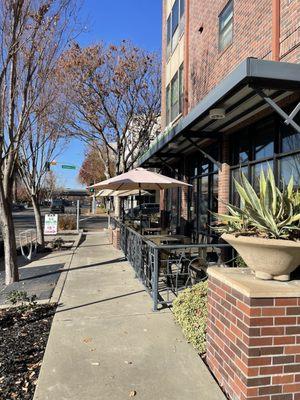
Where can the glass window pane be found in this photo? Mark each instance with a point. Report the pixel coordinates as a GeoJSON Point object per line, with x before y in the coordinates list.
{"type": "Point", "coordinates": [181, 88]}
{"type": "Point", "coordinates": [194, 202]}
{"type": "Point", "coordinates": [169, 29]}
{"type": "Point", "coordinates": [181, 7]}
{"type": "Point", "coordinates": [226, 37]}
{"type": "Point", "coordinates": [215, 192]}
{"type": "Point", "coordinates": [226, 26]}
{"type": "Point", "coordinates": [236, 174]}
{"type": "Point", "coordinates": [175, 16]}
{"type": "Point", "coordinates": [226, 16]}
{"type": "Point", "coordinates": [290, 166]}
{"type": "Point", "coordinates": [175, 97]}
{"type": "Point", "coordinates": [168, 104]}
{"type": "Point", "coordinates": [174, 89]}
{"type": "Point", "coordinates": [290, 140]}
{"type": "Point", "coordinates": [203, 203]}
{"type": "Point", "coordinates": [256, 169]}
{"type": "Point", "coordinates": [264, 145]}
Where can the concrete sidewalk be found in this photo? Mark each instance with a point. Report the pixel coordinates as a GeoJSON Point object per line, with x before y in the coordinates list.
{"type": "Point", "coordinates": [107, 344]}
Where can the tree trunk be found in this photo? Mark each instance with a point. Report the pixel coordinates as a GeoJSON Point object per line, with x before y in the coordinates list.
{"type": "Point", "coordinates": [38, 221]}
{"type": "Point", "coordinates": [9, 240]}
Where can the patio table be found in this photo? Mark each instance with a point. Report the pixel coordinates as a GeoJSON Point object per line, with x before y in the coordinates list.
{"type": "Point", "coordinates": [152, 231]}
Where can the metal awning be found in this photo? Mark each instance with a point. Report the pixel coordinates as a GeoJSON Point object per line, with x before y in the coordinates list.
{"type": "Point", "coordinates": [255, 86]}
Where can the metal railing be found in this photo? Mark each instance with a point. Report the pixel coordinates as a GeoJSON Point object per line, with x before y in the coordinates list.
{"type": "Point", "coordinates": [166, 269]}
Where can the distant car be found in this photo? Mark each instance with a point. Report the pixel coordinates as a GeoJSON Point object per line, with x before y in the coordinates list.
{"type": "Point", "coordinates": [18, 207]}
{"type": "Point", "coordinates": [57, 206]}
{"type": "Point", "coordinates": [146, 209]}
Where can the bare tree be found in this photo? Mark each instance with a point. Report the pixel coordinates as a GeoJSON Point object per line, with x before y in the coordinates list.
{"type": "Point", "coordinates": [114, 99]}
{"type": "Point", "coordinates": [41, 144]}
{"type": "Point", "coordinates": [31, 37]}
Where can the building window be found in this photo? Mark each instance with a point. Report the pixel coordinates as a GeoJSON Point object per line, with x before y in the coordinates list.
{"type": "Point", "coordinates": [174, 96]}
{"type": "Point", "coordinates": [168, 104]}
{"type": "Point", "coordinates": [181, 89]}
{"type": "Point", "coordinates": [267, 143]}
{"type": "Point", "coordinates": [226, 26]}
{"type": "Point", "coordinates": [175, 26]}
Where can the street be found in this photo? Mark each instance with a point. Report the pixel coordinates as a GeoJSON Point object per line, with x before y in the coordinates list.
{"type": "Point", "coordinates": [25, 220]}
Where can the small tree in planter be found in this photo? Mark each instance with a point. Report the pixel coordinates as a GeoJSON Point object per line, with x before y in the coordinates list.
{"type": "Point", "coordinates": [265, 229]}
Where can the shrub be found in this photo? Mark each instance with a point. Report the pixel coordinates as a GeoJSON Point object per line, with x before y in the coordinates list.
{"type": "Point", "coordinates": [272, 213]}
{"type": "Point", "coordinates": [190, 311]}
{"type": "Point", "coordinates": [66, 222]}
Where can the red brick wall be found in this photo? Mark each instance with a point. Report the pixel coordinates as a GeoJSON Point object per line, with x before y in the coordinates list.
{"type": "Point", "coordinates": [290, 31]}
{"type": "Point", "coordinates": [252, 38]}
{"type": "Point", "coordinates": [253, 344]}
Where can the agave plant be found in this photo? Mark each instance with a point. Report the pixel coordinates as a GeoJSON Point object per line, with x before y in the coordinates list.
{"type": "Point", "coordinates": [272, 213]}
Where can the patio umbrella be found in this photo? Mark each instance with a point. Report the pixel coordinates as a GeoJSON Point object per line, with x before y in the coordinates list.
{"type": "Point", "coordinates": [120, 193]}
{"type": "Point", "coordinates": [140, 178]}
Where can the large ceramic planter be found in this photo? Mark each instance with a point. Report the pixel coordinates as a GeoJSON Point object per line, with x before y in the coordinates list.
{"type": "Point", "coordinates": [268, 258]}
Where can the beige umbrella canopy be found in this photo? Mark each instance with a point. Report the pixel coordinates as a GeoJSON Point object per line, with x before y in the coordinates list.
{"type": "Point", "coordinates": [121, 193]}
{"type": "Point", "coordinates": [140, 178]}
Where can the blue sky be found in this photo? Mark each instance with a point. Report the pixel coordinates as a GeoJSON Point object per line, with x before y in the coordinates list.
{"type": "Point", "coordinates": [111, 21]}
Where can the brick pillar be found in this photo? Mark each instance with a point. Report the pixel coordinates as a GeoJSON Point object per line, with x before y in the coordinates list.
{"type": "Point", "coordinates": [116, 238]}
{"type": "Point", "coordinates": [224, 178]}
{"type": "Point", "coordinates": [223, 188]}
{"type": "Point", "coordinates": [253, 335]}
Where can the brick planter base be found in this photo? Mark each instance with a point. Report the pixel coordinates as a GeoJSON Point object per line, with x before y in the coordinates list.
{"type": "Point", "coordinates": [253, 335]}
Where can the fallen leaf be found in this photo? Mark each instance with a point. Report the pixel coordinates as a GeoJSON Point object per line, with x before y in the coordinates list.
{"type": "Point", "coordinates": [132, 393]}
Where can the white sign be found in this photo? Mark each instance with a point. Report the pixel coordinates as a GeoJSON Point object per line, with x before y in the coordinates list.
{"type": "Point", "coordinates": [50, 224]}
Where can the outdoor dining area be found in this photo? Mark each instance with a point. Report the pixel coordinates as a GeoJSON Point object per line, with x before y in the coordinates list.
{"type": "Point", "coordinates": [166, 262]}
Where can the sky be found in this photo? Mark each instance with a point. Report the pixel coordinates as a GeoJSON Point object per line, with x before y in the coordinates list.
{"type": "Point", "coordinates": [111, 21]}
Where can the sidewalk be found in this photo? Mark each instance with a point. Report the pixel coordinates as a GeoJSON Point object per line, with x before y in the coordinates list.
{"type": "Point", "coordinates": [107, 344]}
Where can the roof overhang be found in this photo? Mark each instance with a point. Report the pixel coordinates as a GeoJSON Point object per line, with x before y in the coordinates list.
{"type": "Point", "coordinates": [239, 95]}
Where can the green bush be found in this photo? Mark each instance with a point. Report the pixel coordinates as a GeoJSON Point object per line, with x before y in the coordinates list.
{"type": "Point", "coordinates": [190, 311]}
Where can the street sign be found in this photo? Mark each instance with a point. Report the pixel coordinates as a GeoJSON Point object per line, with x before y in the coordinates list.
{"type": "Point", "coordinates": [50, 224]}
{"type": "Point", "coordinates": [64, 166]}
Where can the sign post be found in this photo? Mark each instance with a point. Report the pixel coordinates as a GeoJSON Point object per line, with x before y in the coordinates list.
{"type": "Point", "coordinates": [51, 224]}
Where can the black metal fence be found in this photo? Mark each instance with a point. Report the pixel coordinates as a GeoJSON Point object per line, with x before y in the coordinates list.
{"type": "Point", "coordinates": [166, 269]}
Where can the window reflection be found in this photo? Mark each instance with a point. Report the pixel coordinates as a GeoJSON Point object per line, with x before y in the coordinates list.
{"type": "Point", "coordinates": [290, 166]}
{"type": "Point", "coordinates": [256, 170]}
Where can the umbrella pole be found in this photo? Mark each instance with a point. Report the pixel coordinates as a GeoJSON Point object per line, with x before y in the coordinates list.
{"type": "Point", "coordinates": [140, 200]}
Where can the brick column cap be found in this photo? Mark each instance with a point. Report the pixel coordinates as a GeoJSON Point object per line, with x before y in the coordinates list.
{"type": "Point", "coordinates": [243, 281]}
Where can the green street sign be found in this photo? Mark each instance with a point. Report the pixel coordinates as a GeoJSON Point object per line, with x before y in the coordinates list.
{"type": "Point", "coordinates": [68, 167]}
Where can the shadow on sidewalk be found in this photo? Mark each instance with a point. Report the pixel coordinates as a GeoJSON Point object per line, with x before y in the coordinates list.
{"type": "Point", "coordinates": [98, 301]}
{"type": "Point", "coordinates": [113, 261]}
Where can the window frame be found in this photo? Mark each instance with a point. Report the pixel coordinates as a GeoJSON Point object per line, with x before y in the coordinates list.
{"type": "Point", "coordinates": [221, 46]}
{"type": "Point", "coordinates": [173, 33]}
{"type": "Point", "coordinates": [177, 78]}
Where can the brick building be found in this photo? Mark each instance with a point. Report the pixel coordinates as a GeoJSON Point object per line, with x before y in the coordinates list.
{"type": "Point", "coordinates": [230, 81]}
